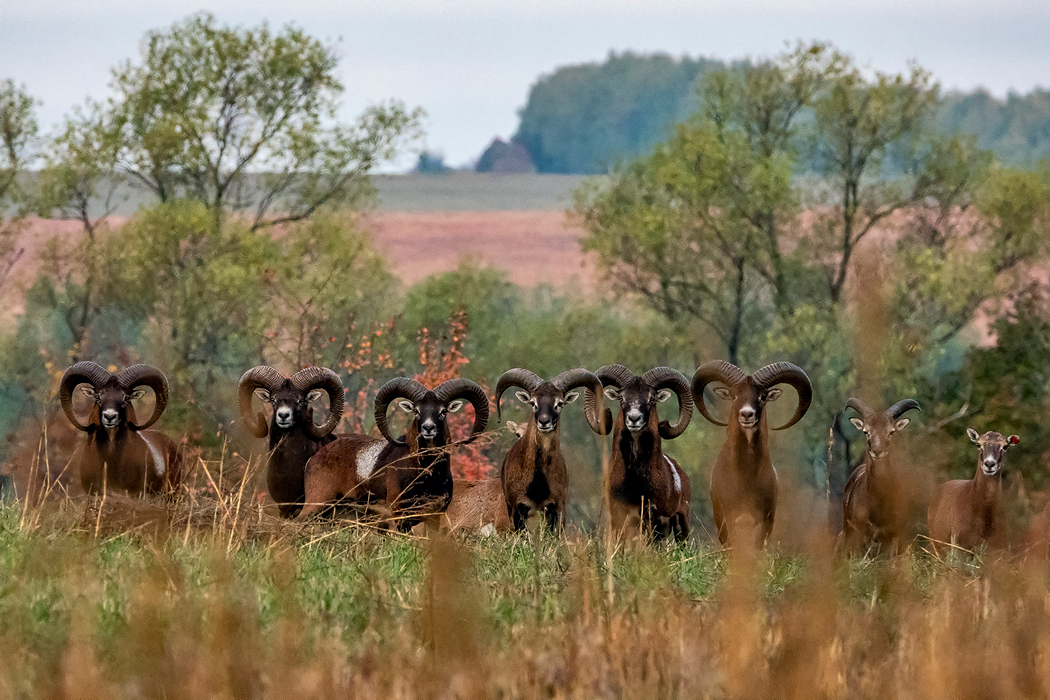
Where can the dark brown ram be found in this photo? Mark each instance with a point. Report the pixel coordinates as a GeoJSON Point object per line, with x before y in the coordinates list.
{"type": "Point", "coordinates": [533, 475]}
{"type": "Point", "coordinates": [409, 478]}
{"type": "Point", "coordinates": [120, 452]}
{"type": "Point", "coordinates": [646, 487]}
{"type": "Point", "coordinates": [744, 482]}
{"type": "Point", "coordinates": [294, 437]}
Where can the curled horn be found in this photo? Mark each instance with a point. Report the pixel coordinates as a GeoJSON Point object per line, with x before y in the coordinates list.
{"type": "Point", "coordinates": [714, 371]}
{"type": "Point", "coordinates": [321, 377]}
{"type": "Point", "coordinates": [399, 387]}
{"type": "Point", "coordinates": [901, 407]}
{"type": "Point", "coordinates": [515, 377]}
{"type": "Point", "coordinates": [261, 377]}
{"type": "Point", "coordinates": [793, 376]}
{"type": "Point", "coordinates": [598, 417]}
{"type": "Point", "coordinates": [145, 375]}
{"type": "Point", "coordinates": [666, 378]}
{"type": "Point", "coordinates": [614, 375]}
{"type": "Point", "coordinates": [609, 375]}
{"type": "Point", "coordinates": [465, 389]}
{"type": "Point", "coordinates": [80, 373]}
{"type": "Point", "coordinates": [860, 407]}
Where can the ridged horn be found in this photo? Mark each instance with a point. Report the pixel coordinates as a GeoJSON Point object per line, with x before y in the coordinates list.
{"type": "Point", "coordinates": [660, 378]}
{"type": "Point", "coordinates": [614, 375]}
{"type": "Point", "coordinates": [793, 376]}
{"type": "Point", "coordinates": [465, 389]}
{"type": "Point", "coordinates": [523, 378]}
{"type": "Point", "coordinates": [860, 407]}
{"type": "Point", "coordinates": [396, 388]}
{"type": "Point", "coordinates": [261, 377]}
{"type": "Point", "coordinates": [708, 373]}
{"type": "Point", "coordinates": [901, 407]}
{"type": "Point", "coordinates": [81, 373]}
{"type": "Point", "coordinates": [146, 375]}
{"type": "Point", "coordinates": [598, 416]}
{"type": "Point", "coordinates": [305, 380]}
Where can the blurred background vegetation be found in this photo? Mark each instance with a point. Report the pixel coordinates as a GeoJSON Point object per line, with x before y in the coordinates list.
{"type": "Point", "coordinates": [800, 208]}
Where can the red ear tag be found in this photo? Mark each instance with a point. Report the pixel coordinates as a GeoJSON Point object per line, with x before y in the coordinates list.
{"type": "Point", "coordinates": [1014, 439]}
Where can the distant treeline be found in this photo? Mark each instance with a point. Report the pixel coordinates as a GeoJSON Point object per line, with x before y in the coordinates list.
{"type": "Point", "coordinates": [585, 118]}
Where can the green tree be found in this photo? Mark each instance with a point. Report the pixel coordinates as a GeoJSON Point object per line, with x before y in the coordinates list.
{"type": "Point", "coordinates": [18, 129]}
{"type": "Point", "coordinates": [330, 287]}
{"type": "Point", "coordinates": [246, 119]}
{"type": "Point", "coordinates": [587, 118]}
{"type": "Point", "coordinates": [201, 295]}
{"type": "Point", "coordinates": [80, 182]}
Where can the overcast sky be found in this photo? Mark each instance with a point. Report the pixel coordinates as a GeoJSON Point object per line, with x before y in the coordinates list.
{"type": "Point", "coordinates": [470, 64]}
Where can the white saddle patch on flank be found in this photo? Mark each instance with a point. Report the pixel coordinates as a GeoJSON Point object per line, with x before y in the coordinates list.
{"type": "Point", "coordinates": [674, 473]}
{"type": "Point", "coordinates": [158, 456]}
{"type": "Point", "coordinates": [367, 457]}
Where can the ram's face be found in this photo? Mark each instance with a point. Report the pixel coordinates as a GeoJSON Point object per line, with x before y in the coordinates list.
{"type": "Point", "coordinates": [991, 448]}
{"type": "Point", "coordinates": [637, 402]}
{"type": "Point", "coordinates": [431, 416]}
{"type": "Point", "coordinates": [547, 402]}
{"type": "Point", "coordinates": [290, 406]}
{"type": "Point", "coordinates": [748, 401]}
{"type": "Point", "coordinates": [112, 402]}
{"type": "Point", "coordinates": [878, 428]}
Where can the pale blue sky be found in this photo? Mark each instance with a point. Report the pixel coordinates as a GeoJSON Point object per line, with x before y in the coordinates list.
{"type": "Point", "coordinates": [470, 64]}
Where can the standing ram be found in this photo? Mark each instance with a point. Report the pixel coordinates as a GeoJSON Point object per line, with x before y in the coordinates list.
{"type": "Point", "coordinates": [744, 482]}
{"type": "Point", "coordinates": [120, 451]}
{"type": "Point", "coordinates": [875, 503]}
{"type": "Point", "coordinates": [294, 437]}
{"type": "Point", "coordinates": [645, 486]}
{"type": "Point", "coordinates": [410, 477]}
{"type": "Point", "coordinates": [967, 513]}
{"type": "Point", "coordinates": [534, 476]}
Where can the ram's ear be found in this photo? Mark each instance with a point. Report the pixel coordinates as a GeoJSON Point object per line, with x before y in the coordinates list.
{"type": "Point", "coordinates": [724, 393]}
{"type": "Point", "coordinates": [523, 396]}
{"type": "Point", "coordinates": [975, 438]}
{"type": "Point", "coordinates": [571, 396]}
{"type": "Point", "coordinates": [612, 393]}
{"type": "Point", "coordinates": [1013, 440]}
{"type": "Point", "coordinates": [902, 423]}
{"type": "Point", "coordinates": [454, 406]}
{"type": "Point", "coordinates": [406, 406]}
{"type": "Point", "coordinates": [774, 394]}
{"type": "Point", "coordinates": [263, 394]}
{"type": "Point", "coordinates": [138, 393]}
{"type": "Point", "coordinates": [663, 395]}
{"type": "Point", "coordinates": [857, 423]}
{"type": "Point", "coordinates": [88, 392]}
{"type": "Point", "coordinates": [314, 395]}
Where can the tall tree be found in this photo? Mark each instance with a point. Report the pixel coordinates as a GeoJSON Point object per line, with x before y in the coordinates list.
{"type": "Point", "coordinates": [246, 119]}
{"type": "Point", "coordinates": [858, 123]}
{"type": "Point", "coordinates": [18, 129]}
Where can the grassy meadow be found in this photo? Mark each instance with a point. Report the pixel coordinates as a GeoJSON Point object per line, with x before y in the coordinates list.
{"type": "Point", "coordinates": [214, 597]}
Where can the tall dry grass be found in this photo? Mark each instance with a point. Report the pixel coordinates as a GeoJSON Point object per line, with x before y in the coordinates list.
{"type": "Point", "coordinates": [213, 597]}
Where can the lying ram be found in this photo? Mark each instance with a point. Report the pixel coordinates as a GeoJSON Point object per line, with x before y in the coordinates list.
{"type": "Point", "coordinates": [409, 478]}
{"type": "Point", "coordinates": [120, 452]}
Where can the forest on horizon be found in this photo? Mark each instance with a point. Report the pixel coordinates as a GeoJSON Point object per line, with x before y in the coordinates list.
{"type": "Point", "coordinates": [588, 117]}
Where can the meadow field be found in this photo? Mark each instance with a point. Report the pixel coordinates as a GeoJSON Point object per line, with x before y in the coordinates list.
{"type": "Point", "coordinates": [213, 597]}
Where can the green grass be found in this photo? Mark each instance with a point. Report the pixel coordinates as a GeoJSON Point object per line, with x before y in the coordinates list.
{"type": "Point", "coordinates": [138, 612]}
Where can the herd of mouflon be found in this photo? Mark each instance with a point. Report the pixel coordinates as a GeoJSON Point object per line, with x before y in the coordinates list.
{"type": "Point", "coordinates": [407, 480]}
